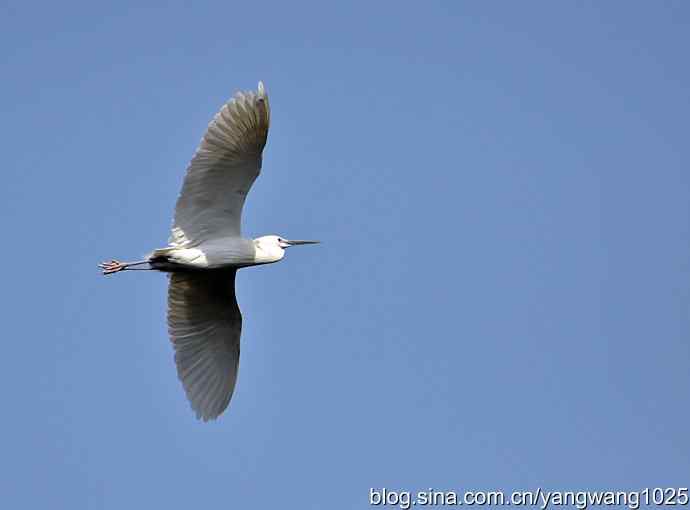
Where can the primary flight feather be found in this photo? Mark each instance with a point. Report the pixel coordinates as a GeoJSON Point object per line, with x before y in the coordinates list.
{"type": "Point", "coordinates": [206, 249]}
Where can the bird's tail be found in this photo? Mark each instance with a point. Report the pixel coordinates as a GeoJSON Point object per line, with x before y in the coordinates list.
{"type": "Point", "coordinates": [161, 252]}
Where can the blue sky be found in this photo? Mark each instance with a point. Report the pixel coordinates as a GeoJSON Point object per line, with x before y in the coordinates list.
{"type": "Point", "coordinates": [502, 295]}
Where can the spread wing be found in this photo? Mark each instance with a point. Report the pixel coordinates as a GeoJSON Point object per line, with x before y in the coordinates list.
{"type": "Point", "coordinates": [221, 172]}
{"type": "Point", "coordinates": [204, 323]}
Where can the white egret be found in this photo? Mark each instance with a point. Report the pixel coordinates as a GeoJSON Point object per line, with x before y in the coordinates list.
{"type": "Point", "coordinates": [206, 248]}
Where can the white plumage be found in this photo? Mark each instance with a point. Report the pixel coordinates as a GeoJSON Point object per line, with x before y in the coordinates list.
{"type": "Point", "coordinates": [206, 249]}
{"type": "Point", "coordinates": [221, 172]}
{"type": "Point", "coordinates": [204, 323]}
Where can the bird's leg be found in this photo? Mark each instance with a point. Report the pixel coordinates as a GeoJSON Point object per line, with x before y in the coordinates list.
{"type": "Point", "coordinates": [113, 266]}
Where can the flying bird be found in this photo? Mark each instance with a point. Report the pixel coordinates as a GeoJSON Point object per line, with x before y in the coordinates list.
{"type": "Point", "coordinates": [206, 248]}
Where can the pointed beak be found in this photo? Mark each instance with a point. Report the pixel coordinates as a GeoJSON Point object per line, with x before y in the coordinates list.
{"type": "Point", "coordinates": [297, 243]}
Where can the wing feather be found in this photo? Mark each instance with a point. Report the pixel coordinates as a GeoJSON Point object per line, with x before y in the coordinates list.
{"type": "Point", "coordinates": [205, 323]}
{"type": "Point", "coordinates": [222, 171]}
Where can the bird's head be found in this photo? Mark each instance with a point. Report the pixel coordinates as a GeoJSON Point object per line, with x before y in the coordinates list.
{"type": "Point", "coordinates": [272, 248]}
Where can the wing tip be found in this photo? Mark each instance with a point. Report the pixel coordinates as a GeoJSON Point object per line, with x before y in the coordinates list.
{"type": "Point", "coordinates": [261, 89]}
{"type": "Point", "coordinates": [206, 417]}
{"type": "Point", "coordinates": [206, 412]}
{"type": "Point", "coordinates": [265, 112]}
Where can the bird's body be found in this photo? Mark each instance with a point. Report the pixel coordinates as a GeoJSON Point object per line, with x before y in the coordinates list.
{"type": "Point", "coordinates": [213, 254]}
{"type": "Point", "coordinates": [206, 249]}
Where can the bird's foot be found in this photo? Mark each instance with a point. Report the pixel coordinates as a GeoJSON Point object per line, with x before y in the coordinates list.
{"type": "Point", "coordinates": [111, 267]}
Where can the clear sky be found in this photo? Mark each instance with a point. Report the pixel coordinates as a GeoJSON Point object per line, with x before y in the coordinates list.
{"type": "Point", "coordinates": [501, 299]}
